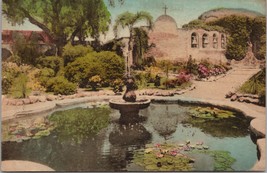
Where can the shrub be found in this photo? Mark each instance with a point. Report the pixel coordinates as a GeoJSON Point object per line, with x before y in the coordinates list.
{"type": "Point", "coordinates": [9, 72]}
{"type": "Point", "coordinates": [82, 69]}
{"type": "Point", "coordinates": [60, 85]}
{"type": "Point", "coordinates": [112, 65]}
{"type": "Point", "coordinates": [256, 85]}
{"type": "Point", "coordinates": [191, 66]}
{"type": "Point", "coordinates": [70, 53]}
{"type": "Point", "coordinates": [170, 83]}
{"type": "Point", "coordinates": [203, 71]}
{"type": "Point", "coordinates": [117, 85]}
{"type": "Point", "coordinates": [15, 59]}
{"type": "Point", "coordinates": [107, 65]}
{"type": "Point", "coordinates": [157, 81]}
{"type": "Point", "coordinates": [19, 87]}
{"type": "Point", "coordinates": [182, 78]}
{"type": "Point", "coordinates": [141, 79]}
{"type": "Point", "coordinates": [52, 62]}
{"type": "Point", "coordinates": [94, 82]}
{"type": "Point", "coordinates": [45, 74]}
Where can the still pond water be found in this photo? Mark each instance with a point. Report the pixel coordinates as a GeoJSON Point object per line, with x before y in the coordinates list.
{"type": "Point", "coordinates": [114, 146]}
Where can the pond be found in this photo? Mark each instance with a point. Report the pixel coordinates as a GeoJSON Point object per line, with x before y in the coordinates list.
{"type": "Point", "coordinates": [89, 138]}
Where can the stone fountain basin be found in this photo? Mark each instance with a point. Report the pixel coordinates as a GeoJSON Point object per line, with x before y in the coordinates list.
{"type": "Point", "coordinates": [120, 104]}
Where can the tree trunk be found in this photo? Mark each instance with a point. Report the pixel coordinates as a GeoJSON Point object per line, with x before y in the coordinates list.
{"type": "Point", "coordinates": [129, 60]}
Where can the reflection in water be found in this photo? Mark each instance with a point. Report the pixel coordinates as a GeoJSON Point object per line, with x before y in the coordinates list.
{"type": "Point", "coordinates": [113, 147]}
{"type": "Point", "coordinates": [130, 134]}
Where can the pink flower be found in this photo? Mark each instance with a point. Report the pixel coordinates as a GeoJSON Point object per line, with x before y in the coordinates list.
{"type": "Point", "coordinates": [157, 145]}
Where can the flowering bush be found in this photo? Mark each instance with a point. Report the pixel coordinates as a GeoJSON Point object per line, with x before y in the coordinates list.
{"type": "Point", "coordinates": [183, 77]}
{"type": "Point", "coordinates": [205, 72]}
{"type": "Point", "coordinates": [94, 82]}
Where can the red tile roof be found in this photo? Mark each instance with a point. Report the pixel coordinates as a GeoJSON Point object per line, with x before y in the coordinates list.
{"type": "Point", "coordinates": [7, 36]}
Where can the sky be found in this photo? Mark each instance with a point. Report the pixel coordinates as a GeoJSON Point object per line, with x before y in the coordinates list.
{"type": "Point", "coordinates": [183, 11]}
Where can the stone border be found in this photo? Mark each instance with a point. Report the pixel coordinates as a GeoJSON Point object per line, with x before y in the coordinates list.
{"type": "Point", "coordinates": [258, 131]}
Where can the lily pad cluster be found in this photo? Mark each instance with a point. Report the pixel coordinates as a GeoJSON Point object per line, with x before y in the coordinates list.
{"type": "Point", "coordinates": [210, 113]}
{"type": "Point", "coordinates": [175, 157]}
{"type": "Point", "coordinates": [80, 123]}
{"type": "Point", "coordinates": [168, 157]}
{"type": "Point", "coordinates": [223, 160]}
{"type": "Point", "coordinates": [19, 132]}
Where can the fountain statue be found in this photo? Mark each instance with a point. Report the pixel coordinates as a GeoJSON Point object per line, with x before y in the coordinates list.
{"type": "Point", "coordinates": [129, 106]}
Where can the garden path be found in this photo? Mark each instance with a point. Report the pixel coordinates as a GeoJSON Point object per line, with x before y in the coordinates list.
{"type": "Point", "coordinates": [216, 90]}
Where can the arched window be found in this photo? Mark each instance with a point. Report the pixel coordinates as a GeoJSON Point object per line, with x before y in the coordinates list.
{"type": "Point", "coordinates": [194, 40]}
{"type": "Point", "coordinates": [223, 40]}
{"type": "Point", "coordinates": [215, 41]}
{"type": "Point", "coordinates": [205, 40]}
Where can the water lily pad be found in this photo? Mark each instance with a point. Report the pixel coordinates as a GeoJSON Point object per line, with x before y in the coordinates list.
{"type": "Point", "coordinates": [210, 113]}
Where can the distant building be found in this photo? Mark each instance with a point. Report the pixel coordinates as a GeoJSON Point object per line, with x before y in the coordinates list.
{"type": "Point", "coordinates": [178, 44]}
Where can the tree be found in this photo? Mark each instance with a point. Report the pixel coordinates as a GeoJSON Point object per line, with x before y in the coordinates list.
{"type": "Point", "coordinates": [239, 29]}
{"type": "Point", "coordinates": [25, 50]}
{"type": "Point", "coordinates": [166, 65]}
{"type": "Point", "coordinates": [258, 37]}
{"type": "Point", "coordinates": [140, 46]}
{"type": "Point", "coordinates": [129, 20]}
{"type": "Point", "coordinates": [70, 53]}
{"type": "Point", "coordinates": [61, 20]}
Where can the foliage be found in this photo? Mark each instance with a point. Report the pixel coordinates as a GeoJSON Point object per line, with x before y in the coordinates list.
{"type": "Point", "coordinates": [61, 20]}
{"type": "Point", "coordinates": [51, 62]}
{"type": "Point", "coordinates": [70, 52]}
{"type": "Point", "coordinates": [210, 113]}
{"type": "Point", "coordinates": [223, 160]}
{"type": "Point", "coordinates": [15, 59]}
{"type": "Point", "coordinates": [196, 24]}
{"type": "Point", "coordinates": [258, 37]}
{"type": "Point", "coordinates": [80, 123]}
{"type": "Point", "coordinates": [140, 46]}
{"type": "Point", "coordinates": [228, 124]}
{"type": "Point", "coordinates": [21, 132]}
{"type": "Point", "coordinates": [240, 31]}
{"type": "Point", "coordinates": [129, 20]}
{"type": "Point", "coordinates": [157, 81]}
{"type": "Point", "coordinates": [162, 157]}
{"type": "Point", "coordinates": [182, 77]}
{"type": "Point", "coordinates": [117, 86]}
{"type": "Point", "coordinates": [206, 69]}
{"type": "Point", "coordinates": [107, 65]}
{"type": "Point", "coordinates": [166, 66]}
{"type": "Point", "coordinates": [9, 72]}
{"type": "Point", "coordinates": [34, 82]}
{"type": "Point", "coordinates": [256, 85]}
{"type": "Point", "coordinates": [19, 87]}
{"type": "Point", "coordinates": [191, 66]}
{"type": "Point", "coordinates": [112, 66]}
{"type": "Point", "coordinates": [175, 157]}
{"type": "Point", "coordinates": [60, 85]}
{"type": "Point", "coordinates": [236, 41]}
{"type": "Point", "coordinates": [25, 51]}
{"type": "Point", "coordinates": [45, 74]}
{"type": "Point", "coordinates": [94, 82]}
{"type": "Point", "coordinates": [141, 79]}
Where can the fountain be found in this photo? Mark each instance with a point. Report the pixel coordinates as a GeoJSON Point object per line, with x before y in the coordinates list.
{"type": "Point", "coordinates": [129, 106]}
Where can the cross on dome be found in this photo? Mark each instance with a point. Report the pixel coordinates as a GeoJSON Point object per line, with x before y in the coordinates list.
{"type": "Point", "coordinates": [165, 9]}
